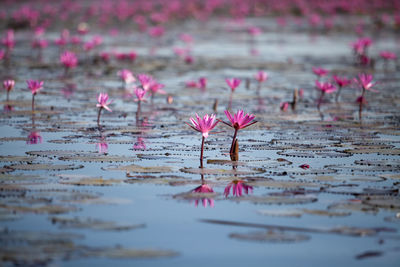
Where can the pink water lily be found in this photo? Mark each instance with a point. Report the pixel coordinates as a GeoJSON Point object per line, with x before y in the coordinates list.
{"type": "Point", "coordinates": [204, 189]}
{"type": "Point", "coordinates": [325, 88]}
{"type": "Point", "coordinates": [233, 83]}
{"type": "Point", "coordinates": [35, 87]}
{"type": "Point", "coordinates": [365, 82]}
{"type": "Point", "coordinates": [8, 85]}
{"type": "Point", "coordinates": [284, 106]}
{"type": "Point", "coordinates": [204, 126]}
{"type": "Point", "coordinates": [238, 121]}
{"type": "Point", "coordinates": [238, 186]}
{"type": "Point", "coordinates": [387, 55]}
{"type": "Point", "coordinates": [341, 82]}
{"type": "Point", "coordinates": [69, 60]}
{"type": "Point", "coordinates": [139, 144]}
{"type": "Point", "coordinates": [319, 71]}
{"type": "Point", "coordinates": [140, 94]}
{"type": "Point", "coordinates": [103, 103]}
{"type": "Point", "coordinates": [126, 76]}
{"type": "Point", "coordinates": [145, 80]}
{"type": "Point", "coordinates": [261, 76]}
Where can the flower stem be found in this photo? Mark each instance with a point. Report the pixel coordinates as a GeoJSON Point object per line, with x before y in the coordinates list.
{"type": "Point", "coordinates": [8, 95]}
{"type": "Point", "coordinates": [233, 142]}
{"type": "Point", "coordinates": [33, 102]}
{"type": "Point", "coordinates": [320, 99]}
{"type": "Point", "coordinates": [230, 101]}
{"type": "Point", "coordinates": [338, 93]}
{"type": "Point", "coordinates": [361, 104]}
{"type": "Point", "coordinates": [201, 152]}
{"type": "Point", "coordinates": [98, 117]}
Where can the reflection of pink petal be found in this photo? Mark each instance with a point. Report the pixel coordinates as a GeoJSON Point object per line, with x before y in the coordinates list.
{"type": "Point", "coordinates": [34, 138]}
{"type": "Point", "coordinates": [102, 147]}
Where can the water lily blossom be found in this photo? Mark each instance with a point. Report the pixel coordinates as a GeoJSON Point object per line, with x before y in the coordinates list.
{"type": "Point", "coordinates": [69, 60]}
{"type": "Point", "coordinates": [8, 86]}
{"type": "Point", "coordinates": [238, 186]}
{"type": "Point", "coordinates": [325, 88]}
{"type": "Point", "coordinates": [103, 103]}
{"type": "Point", "coordinates": [319, 71]}
{"type": "Point", "coordinates": [233, 83]}
{"type": "Point", "coordinates": [387, 55]}
{"type": "Point", "coordinates": [261, 76]}
{"type": "Point", "coordinates": [126, 76]}
{"type": "Point", "coordinates": [238, 121]}
{"type": "Point", "coordinates": [341, 82]}
{"type": "Point", "coordinates": [365, 82]}
{"type": "Point", "coordinates": [204, 126]}
{"type": "Point", "coordinates": [35, 87]}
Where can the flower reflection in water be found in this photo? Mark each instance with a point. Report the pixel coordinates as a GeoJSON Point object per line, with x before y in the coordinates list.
{"type": "Point", "coordinates": [204, 189]}
{"type": "Point", "coordinates": [139, 144]}
{"type": "Point", "coordinates": [34, 138]}
{"type": "Point", "coordinates": [238, 186]}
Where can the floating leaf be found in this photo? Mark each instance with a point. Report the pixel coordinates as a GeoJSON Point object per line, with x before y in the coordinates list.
{"type": "Point", "coordinates": [270, 236]}
{"type": "Point", "coordinates": [247, 171]}
{"type": "Point", "coordinates": [95, 224]}
{"type": "Point", "coordinates": [76, 179]}
{"type": "Point", "coordinates": [141, 169]}
{"type": "Point", "coordinates": [43, 166]}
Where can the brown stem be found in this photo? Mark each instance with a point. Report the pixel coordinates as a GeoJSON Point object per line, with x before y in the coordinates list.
{"type": "Point", "coordinates": [233, 141]}
{"type": "Point", "coordinates": [98, 117]}
{"type": "Point", "coordinates": [201, 152]}
{"type": "Point", "coordinates": [8, 95]}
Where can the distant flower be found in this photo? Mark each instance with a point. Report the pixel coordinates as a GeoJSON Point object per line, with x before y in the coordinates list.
{"type": "Point", "coordinates": [319, 71]}
{"type": "Point", "coordinates": [261, 76]}
{"type": "Point", "coordinates": [186, 38]}
{"type": "Point", "coordinates": [9, 41]}
{"type": "Point", "coordinates": [126, 76]}
{"type": "Point", "coordinates": [34, 86]}
{"type": "Point", "coordinates": [203, 82]}
{"type": "Point", "coordinates": [238, 186]}
{"type": "Point", "coordinates": [103, 102]}
{"type": "Point", "coordinates": [8, 85]}
{"type": "Point", "coordinates": [325, 87]}
{"type": "Point", "coordinates": [140, 94]}
{"type": "Point", "coordinates": [233, 83]}
{"type": "Point", "coordinates": [156, 31]}
{"type": "Point", "coordinates": [69, 59]}
{"type": "Point", "coordinates": [254, 31]}
{"type": "Point", "coordinates": [341, 81]}
{"type": "Point", "coordinates": [2, 54]}
{"type": "Point", "coordinates": [284, 106]}
{"type": "Point", "coordinates": [40, 43]}
{"type": "Point", "coordinates": [145, 80]}
{"type": "Point", "coordinates": [156, 87]}
{"type": "Point", "coordinates": [365, 81]}
{"type": "Point", "coordinates": [387, 55]}
{"type": "Point", "coordinates": [34, 138]}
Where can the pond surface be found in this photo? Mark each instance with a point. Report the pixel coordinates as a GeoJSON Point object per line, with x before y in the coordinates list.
{"type": "Point", "coordinates": [76, 195]}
